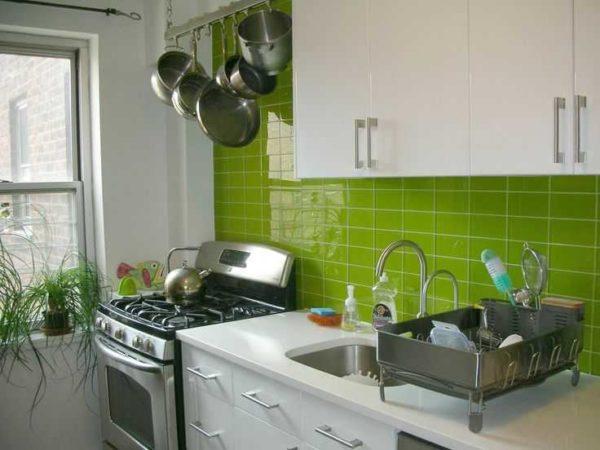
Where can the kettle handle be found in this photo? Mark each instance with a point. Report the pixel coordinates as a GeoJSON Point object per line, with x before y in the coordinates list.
{"type": "Point", "coordinates": [176, 249]}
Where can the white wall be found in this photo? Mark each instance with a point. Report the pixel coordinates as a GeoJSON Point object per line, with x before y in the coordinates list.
{"type": "Point", "coordinates": [67, 418]}
{"type": "Point", "coordinates": [153, 186]}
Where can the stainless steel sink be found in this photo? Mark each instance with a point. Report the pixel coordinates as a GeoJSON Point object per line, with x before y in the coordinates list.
{"type": "Point", "coordinates": [342, 360]}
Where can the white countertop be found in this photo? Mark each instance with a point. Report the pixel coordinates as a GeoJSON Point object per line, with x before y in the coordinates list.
{"type": "Point", "coordinates": [552, 415]}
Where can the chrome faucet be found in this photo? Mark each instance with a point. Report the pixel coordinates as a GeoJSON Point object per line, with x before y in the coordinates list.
{"type": "Point", "coordinates": [448, 274]}
{"type": "Point", "coordinates": [422, 268]}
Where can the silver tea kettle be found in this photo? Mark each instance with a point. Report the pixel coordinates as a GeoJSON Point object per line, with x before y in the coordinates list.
{"type": "Point", "coordinates": [184, 284]}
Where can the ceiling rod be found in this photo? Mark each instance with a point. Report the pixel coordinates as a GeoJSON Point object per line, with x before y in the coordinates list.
{"type": "Point", "coordinates": [108, 11]}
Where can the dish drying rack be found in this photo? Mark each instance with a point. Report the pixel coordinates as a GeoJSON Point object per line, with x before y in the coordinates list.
{"type": "Point", "coordinates": [552, 342]}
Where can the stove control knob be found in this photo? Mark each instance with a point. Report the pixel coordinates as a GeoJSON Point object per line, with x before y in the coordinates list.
{"type": "Point", "coordinates": [99, 322]}
{"type": "Point", "coordinates": [137, 342]}
{"type": "Point", "coordinates": [119, 333]}
{"type": "Point", "coordinates": [148, 346]}
{"type": "Point", "coordinates": [105, 326]}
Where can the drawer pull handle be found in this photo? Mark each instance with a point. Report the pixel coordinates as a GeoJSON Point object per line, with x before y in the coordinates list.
{"type": "Point", "coordinates": [252, 397]}
{"type": "Point", "coordinates": [196, 426]}
{"type": "Point", "coordinates": [201, 375]}
{"type": "Point", "coordinates": [326, 431]}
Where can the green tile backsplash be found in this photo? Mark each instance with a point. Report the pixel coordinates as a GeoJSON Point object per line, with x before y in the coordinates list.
{"type": "Point", "coordinates": [338, 227]}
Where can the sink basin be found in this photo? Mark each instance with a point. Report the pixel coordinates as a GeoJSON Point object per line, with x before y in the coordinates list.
{"type": "Point", "coordinates": [342, 360]}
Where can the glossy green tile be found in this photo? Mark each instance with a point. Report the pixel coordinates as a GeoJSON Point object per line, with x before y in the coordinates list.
{"type": "Point", "coordinates": [528, 204]}
{"type": "Point", "coordinates": [564, 257]}
{"type": "Point", "coordinates": [360, 237]}
{"type": "Point", "coordinates": [582, 183]}
{"type": "Point", "coordinates": [360, 198]}
{"type": "Point", "coordinates": [488, 202]}
{"type": "Point", "coordinates": [388, 220]}
{"type": "Point", "coordinates": [423, 222]}
{"type": "Point", "coordinates": [452, 183]}
{"type": "Point", "coordinates": [452, 224]}
{"type": "Point", "coordinates": [488, 226]}
{"type": "Point", "coordinates": [456, 247]}
{"type": "Point", "coordinates": [489, 183]}
{"type": "Point", "coordinates": [361, 275]}
{"type": "Point", "coordinates": [389, 183]}
{"type": "Point", "coordinates": [388, 199]}
{"type": "Point", "coordinates": [573, 206]}
{"type": "Point", "coordinates": [528, 184]}
{"type": "Point", "coordinates": [576, 285]}
{"type": "Point", "coordinates": [419, 183]}
{"type": "Point", "coordinates": [579, 232]}
{"type": "Point", "coordinates": [361, 218]}
{"type": "Point", "coordinates": [452, 201]}
{"type": "Point", "coordinates": [361, 256]}
{"type": "Point", "coordinates": [418, 200]}
{"type": "Point", "coordinates": [528, 229]}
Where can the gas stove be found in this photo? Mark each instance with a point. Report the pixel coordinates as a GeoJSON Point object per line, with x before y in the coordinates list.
{"type": "Point", "coordinates": [247, 280]}
{"type": "Point", "coordinates": [139, 358]}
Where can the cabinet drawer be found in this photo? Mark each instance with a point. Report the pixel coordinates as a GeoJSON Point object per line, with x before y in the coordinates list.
{"type": "Point", "coordinates": [252, 433]}
{"type": "Point", "coordinates": [267, 400]}
{"type": "Point", "coordinates": [213, 374]}
{"type": "Point", "coordinates": [329, 427]}
{"type": "Point", "coordinates": [208, 420]}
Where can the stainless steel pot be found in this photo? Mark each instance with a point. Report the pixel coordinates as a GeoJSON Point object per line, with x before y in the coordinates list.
{"type": "Point", "coordinates": [187, 92]}
{"type": "Point", "coordinates": [266, 40]}
{"type": "Point", "coordinates": [227, 119]}
{"type": "Point", "coordinates": [170, 68]}
{"type": "Point", "coordinates": [184, 284]}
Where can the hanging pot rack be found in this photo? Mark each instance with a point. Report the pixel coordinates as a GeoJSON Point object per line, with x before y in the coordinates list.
{"type": "Point", "coordinates": [175, 32]}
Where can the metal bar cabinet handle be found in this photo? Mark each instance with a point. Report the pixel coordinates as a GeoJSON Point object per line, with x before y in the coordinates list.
{"type": "Point", "coordinates": [371, 122]}
{"type": "Point", "coordinates": [559, 103]}
{"type": "Point", "coordinates": [358, 123]}
{"type": "Point", "coordinates": [196, 426]}
{"type": "Point", "coordinates": [197, 372]}
{"type": "Point", "coordinates": [580, 103]}
{"type": "Point", "coordinates": [326, 431]}
{"type": "Point", "coordinates": [252, 397]}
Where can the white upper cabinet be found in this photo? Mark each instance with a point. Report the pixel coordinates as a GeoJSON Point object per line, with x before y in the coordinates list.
{"type": "Point", "coordinates": [419, 65]}
{"type": "Point", "coordinates": [521, 60]}
{"type": "Point", "coordinates": [587, 86]}
{"type": "Point", "coordinates": [331, 90]}
{"type": "Point", "coordinates": [446, 87]}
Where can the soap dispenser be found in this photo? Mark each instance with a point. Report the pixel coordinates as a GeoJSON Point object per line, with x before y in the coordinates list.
{"type": "Point", "coordinates": [350, 316]}
{"type": "Point", "coordinates": [384, 296]}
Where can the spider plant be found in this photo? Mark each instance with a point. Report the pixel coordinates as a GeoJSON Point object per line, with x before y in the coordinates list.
{"type": "Point", "coordinates": [17, 308]}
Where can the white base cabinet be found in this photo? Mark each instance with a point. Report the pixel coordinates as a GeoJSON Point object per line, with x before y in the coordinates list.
{"type": "Point", "coordinates": [228, 407]}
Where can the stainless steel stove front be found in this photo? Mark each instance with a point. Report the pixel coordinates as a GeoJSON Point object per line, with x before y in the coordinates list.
{"type": "Point", "coordinates": [137, 399]}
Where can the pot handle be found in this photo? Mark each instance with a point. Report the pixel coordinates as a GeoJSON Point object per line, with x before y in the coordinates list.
{"type": "Point", "coordinates": [177, 249]}
{"type": "Point", "coordinates": [259, 44]}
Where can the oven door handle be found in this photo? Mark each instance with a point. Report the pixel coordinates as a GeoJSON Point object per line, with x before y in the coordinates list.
{"type": "Point", "coordinates": [127, 360]}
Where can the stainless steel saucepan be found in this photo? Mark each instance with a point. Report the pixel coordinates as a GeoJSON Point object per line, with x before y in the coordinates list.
{"type": "Point", "coordinates": [226, 118]}
{"type": "Point", "coordinates": [170, 68]}
{"type": "Point", "coordinates": [187, 92]}
{"type": "Point", "coordinates": [266, 40]}
{"type": "Point", "coordinates": [248, 81]}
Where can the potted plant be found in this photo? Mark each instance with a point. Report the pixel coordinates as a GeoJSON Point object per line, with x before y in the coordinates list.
{"type": "Point", "coordinates": [56, 291]}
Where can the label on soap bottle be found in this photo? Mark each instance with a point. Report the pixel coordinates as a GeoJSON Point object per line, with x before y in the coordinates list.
{"type": "Point", "coordinates": [382, 315]}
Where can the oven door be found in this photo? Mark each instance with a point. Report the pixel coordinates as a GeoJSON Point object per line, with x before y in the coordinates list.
{"type": "Point", "coordinates": [137, 399]}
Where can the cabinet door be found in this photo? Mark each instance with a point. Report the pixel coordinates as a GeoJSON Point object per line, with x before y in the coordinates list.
{"type": "Point", "coordinates": [587, 84]}
{"type": "Point", "coordinates": [420, 87]}
{"type": "Point", "coordinates": [331, 85]}
{"type": "Point", "coordinates": [329, 427]}
{"type": "Point", "coordinates": [252, 433]}
{"type": "Point", "coordinates": [520, 59]}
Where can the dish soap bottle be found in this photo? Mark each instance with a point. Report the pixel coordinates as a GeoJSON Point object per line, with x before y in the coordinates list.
{"type": "Point", "coordinates": [384, 294]}
{"type": "Point", "coordinates": [350, 316]}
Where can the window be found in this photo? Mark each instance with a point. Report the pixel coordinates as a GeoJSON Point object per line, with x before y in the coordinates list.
{"type": "Point", "coordinates": [41, 190]}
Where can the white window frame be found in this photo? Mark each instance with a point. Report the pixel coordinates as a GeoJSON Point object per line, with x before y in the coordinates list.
{"type": "Point", "coordinates": [77, 51]}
